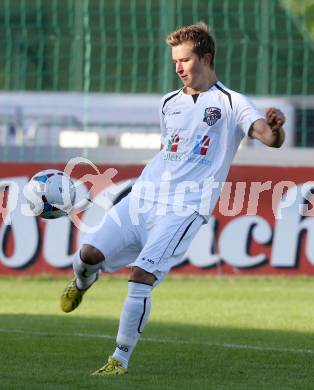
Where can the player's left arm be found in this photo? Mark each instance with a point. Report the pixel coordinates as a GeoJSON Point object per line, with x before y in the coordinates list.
{"type": "Point", "coordinates": [269, 131]}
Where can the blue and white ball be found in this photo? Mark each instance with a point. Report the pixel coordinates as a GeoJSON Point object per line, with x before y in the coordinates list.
{"type": "Point", "coordinates": [50, 194]}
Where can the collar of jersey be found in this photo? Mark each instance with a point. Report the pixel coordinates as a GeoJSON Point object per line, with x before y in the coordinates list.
{"type": "Point", "coordinates": [201, 93]}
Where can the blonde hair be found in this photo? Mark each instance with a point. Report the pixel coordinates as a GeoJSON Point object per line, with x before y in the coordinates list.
{"type": "Point", "coordinates": [201, 37]}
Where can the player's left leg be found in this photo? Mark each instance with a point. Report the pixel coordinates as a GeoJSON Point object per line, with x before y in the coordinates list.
{"type": "Point", "coordinates": [134, 316]}
{"type": "Point", "coordinates": [165, 246]}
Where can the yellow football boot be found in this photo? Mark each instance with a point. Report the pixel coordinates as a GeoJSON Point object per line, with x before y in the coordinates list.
{"type": "Point", "coordinates": [71, 297]}
{"type": "Point", "coordinates": [112, 367]}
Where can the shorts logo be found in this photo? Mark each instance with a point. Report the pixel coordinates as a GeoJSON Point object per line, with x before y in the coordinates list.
{"type": "Point", "coordinates": [149, 260]}
{"type": "Point", "coordinates": [173, 142]}
{"type": "Point", "coordinates": [211, 115]}
{"type": "Point", "coordinates": [202, 144]}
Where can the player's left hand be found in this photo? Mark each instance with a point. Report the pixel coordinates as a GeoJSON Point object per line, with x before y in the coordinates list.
{"type": "Point", "coordinates": [275, 118]}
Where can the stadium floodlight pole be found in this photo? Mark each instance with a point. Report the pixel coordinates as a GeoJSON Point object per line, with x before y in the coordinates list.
{"type": "Point", "coordinates": [166, 10]}
{"type": "Point", "coordinates": [263, 68]}
{"type": "Point", "coordinates": [78, 48]}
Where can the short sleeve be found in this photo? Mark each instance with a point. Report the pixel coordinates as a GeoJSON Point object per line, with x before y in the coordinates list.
{"type": "Point", "coordinates": [163, 130]}
{"type": "Point", "coordinates": [246, 113]}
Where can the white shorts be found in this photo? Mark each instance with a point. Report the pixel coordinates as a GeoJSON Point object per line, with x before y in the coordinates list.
{"type": "Point", "coordinates": [156, 244]}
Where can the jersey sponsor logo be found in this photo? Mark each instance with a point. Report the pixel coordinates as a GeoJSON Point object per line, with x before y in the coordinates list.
{"type": "Point", "coordinates": [211, 115]}
{"type": "Point", "coordinates": [173, 143]}
{"type": "Point", "coordinates": [172, 157]}
{"type": "Point", "coordinates": [201, 145]}
{"type": "Point", "coordinates": [199, 160]}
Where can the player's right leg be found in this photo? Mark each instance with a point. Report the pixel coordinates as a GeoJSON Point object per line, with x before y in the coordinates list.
{"type": "Point", "coordinates": [100, 250]}
{"type": "Point", "coordinates": [86, 266]}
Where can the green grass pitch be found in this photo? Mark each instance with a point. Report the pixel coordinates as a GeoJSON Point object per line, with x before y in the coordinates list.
{"type": "Point", "coordinates": [211, 333]}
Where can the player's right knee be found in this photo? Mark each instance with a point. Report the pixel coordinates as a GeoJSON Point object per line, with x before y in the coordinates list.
{"type": "Point", "coordinates": [91, 255]}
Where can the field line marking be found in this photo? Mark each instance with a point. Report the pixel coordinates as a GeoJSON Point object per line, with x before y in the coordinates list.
{"type": "Point", "coordinates": [166, 341]}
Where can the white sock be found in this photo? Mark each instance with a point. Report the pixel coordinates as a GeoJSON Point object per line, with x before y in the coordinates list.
{"type": "Point", "coordinates": [133, 319]}
{"type": "Point", "coordinates": [86, 274]}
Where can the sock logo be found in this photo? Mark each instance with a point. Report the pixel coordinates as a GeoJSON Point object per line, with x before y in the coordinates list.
{"type": "Point", "coordinates": [84, 273]}
{"type": "Point", "coordinates": [123, 348]}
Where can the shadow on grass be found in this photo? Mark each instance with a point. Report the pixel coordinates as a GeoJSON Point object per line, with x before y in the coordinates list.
{"type": "Point", "coordinates": [60, 352]}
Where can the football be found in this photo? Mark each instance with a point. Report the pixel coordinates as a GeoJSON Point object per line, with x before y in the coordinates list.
{"type": "Point", "coordinates": [50, 194]}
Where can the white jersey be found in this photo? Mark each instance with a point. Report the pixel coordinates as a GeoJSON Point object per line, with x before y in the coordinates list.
{"type": "Point", "coordinates": [200, 135]}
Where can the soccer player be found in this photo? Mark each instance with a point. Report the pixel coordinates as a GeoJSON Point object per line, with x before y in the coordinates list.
{"type": "Point", "coordinates": [202, 125]}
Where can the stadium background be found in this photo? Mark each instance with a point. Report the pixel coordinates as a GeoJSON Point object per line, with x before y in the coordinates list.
{"type": "Point", "coordinates": [83, 78]}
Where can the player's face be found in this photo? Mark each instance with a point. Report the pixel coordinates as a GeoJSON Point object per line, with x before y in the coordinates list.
{"type": "Point", "coordinates": [192, 70]}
